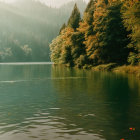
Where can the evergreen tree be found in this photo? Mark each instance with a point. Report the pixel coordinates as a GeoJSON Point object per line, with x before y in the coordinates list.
{"type": "Point", "coordinates": [131, 18]}
{"type": "Point", "coordinates": [92, 42]}
{"type": "Point", "coordinates": [62, 28]}
{"type": "Point", "coordinates": [88, 16]}
{"type": "Point", "coordinates": [75, 18]}
{"type": "Point", "coordinates": [78, 48]}
{"type": "Point", "coordinates": [114, 38]}
{"type": "Point", "coordinates": [109, 40]}
{"type": "Point", "coordinates": [86, 27]}
{"type": "Point", "coordinates": [66, 47]}
{"type": "Point", "coordinates": [90, 4]}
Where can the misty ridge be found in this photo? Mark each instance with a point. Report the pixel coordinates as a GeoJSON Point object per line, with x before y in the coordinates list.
{"type": "Point", "coordinates": [27, 27]}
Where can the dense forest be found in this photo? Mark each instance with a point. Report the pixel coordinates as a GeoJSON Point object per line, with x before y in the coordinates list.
{"type": "Point", "coordinates": [109, 32]}
{"type": "Point", "coordinates": [27, 27]}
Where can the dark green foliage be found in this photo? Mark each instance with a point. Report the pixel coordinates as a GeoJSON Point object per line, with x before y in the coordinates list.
{"type": "Point", "coordinates": [113, 36]}
{"type": "Point", "coordinates": [131, 16]}
{"type": "Point", "coordinates": [77, 45]}
{"type": "Point", "coordinates": [106, 2]}
{"type": "Point", "coordinates": [89, 6]}
{"type": "Point", "coordinates": [66, 56]}
{"type": "Point", "coordinates": [74, 19]}
{"type": "Point", "coordinates": [88, 15]}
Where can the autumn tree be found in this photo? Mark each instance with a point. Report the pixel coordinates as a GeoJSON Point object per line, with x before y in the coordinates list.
{"type": "Point", "coordinates": [109, 40]}
{"type": "Point", "coordinates": [93, 49]}
{"type": "Point", "coordinates": [102, 36]}
{"type": "Point", "coordinates": [86, 27]}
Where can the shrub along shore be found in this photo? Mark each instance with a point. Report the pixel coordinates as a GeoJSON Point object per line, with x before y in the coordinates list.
{"type": "Point", "coordinates": [128, 69]}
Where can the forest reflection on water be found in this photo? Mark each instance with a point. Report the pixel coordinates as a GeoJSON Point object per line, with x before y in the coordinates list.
{"type": "Point", "coordinates": [46, 102]}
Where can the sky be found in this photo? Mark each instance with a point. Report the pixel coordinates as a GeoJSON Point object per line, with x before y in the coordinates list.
{"type": "Point", "coordinates": [53, 3]}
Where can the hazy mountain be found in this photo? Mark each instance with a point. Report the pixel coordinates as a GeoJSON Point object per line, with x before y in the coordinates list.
{"type": "Point", "coordinates": [52, 3]}
{"type": "Point", "coordinates": [27, 27]}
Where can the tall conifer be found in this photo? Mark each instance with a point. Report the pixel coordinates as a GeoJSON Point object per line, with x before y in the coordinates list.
{"type": "Point", "coordinates": [62, 28]}
{"type": "Point", "coordinates": [75, 18]}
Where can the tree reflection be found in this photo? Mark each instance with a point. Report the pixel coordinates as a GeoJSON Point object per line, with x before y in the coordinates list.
{"type": "Point", "coordinates": [99, 101]}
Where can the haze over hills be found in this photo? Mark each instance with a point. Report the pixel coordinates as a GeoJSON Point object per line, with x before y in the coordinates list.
{"type": "Point", "coordinates": [28, 26]}
{"type": "Point", "coordinates": [52, 3]}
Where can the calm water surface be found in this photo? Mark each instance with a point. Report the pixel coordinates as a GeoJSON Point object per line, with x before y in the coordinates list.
{"type": "Point", "coordinates": [47, 102]}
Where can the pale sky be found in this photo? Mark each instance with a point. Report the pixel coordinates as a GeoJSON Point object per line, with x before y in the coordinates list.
{"type": "Point", "coordinates": [53, 3]}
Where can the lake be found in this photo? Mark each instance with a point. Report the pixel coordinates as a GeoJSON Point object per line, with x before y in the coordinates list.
{"type": "Point", "coordinates": [50, 102]}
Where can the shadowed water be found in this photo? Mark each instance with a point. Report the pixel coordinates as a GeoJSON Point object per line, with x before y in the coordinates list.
{"type": "Point", "coordinates": [47, 102]}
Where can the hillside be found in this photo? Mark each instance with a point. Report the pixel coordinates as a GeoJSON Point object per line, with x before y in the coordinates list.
{"type": "Point", "coordinates": [27, 27]}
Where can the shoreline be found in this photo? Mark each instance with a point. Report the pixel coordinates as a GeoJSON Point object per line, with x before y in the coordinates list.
{"type": "Point", "coordinates": [112, 67]}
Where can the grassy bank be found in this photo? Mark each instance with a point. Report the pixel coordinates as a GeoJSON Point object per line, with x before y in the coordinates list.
{"type": "Point", "coordinates": [119, 69]}
{"type": "Point", "coordinates": [128, 69]}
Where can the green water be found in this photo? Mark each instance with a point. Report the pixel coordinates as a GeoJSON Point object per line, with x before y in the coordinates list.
{"type": "Point", "coordinates": [46, 102]}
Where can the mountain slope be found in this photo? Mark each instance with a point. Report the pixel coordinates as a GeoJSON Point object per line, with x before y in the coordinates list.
{"type": "Point", "coordinates": [27, 27]}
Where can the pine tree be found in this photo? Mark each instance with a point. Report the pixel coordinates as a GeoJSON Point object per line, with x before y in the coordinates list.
{"type": "Point", "coordinates": [131, 18]}
{"type": "Point", "coordinates": [78, 48]}
{"type": "Point", "coordinates": [109, 40]}
{"type": "Point", "coordinates": [66, 47]}
{"type": "Point", "coordinates": [92, 40]}
{"type": "Point", "coordinates": [88, 16]}
{"type": "Point", "coordinates": [75, 18]}
{"type": "Point", "coordinates": [62, 28]}
{"type": "Point", "coordinates": [89, 6]}
{"type": "Point", "coordinates": [114, 37]}
{"type": "Point", "coordinates": [86, 27]}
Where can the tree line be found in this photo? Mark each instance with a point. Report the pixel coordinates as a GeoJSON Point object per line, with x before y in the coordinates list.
{"type": "Point", "coordinates": [109, 32]}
